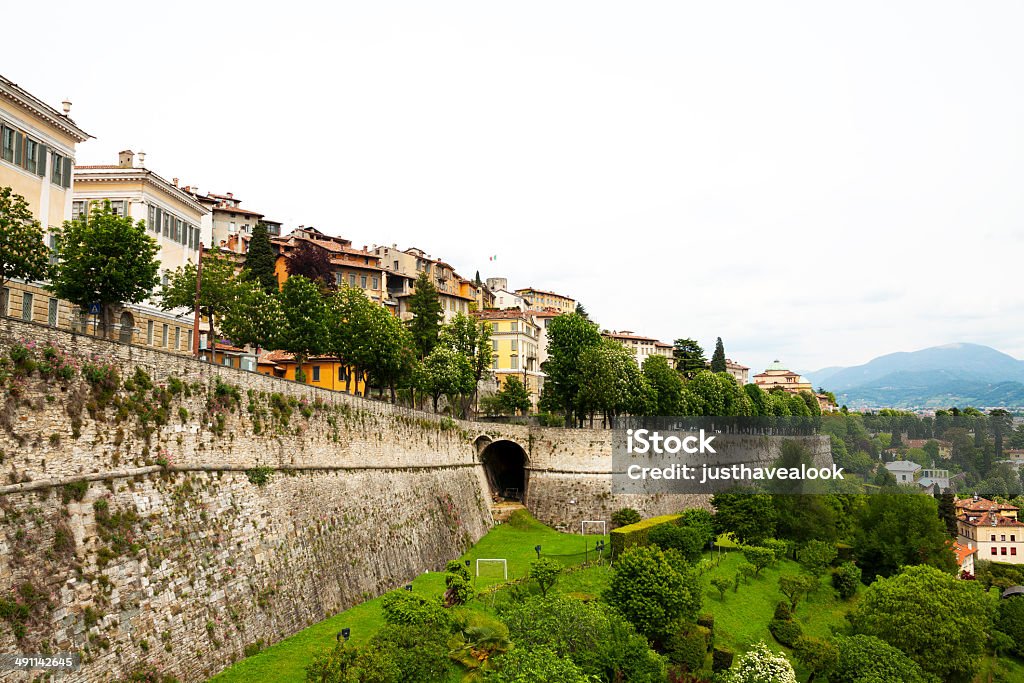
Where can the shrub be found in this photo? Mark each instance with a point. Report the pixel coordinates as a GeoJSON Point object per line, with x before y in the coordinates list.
{"type": "Point", "coordinates": [688, 646]}
{"type": "Point", "coordinates": [545, 572]}
{"type": "Point", "coordinates": [846, 579]}
{"type": "Point", "coordinates": [684, 539]}
{"type": "Point", "coordinates": [635, 534]}
{"type": "Point", "coordinates": [758, 556]}
{"type": "Point", "coordinates": [403, 607]}
{"type": "Point", "coordinates": [721, 659]}
{"type": "Point", "coordinates": [625, 517]}
{"type": "Point", "coordinates": [707, 620]}
{"type": "Point", "coordinates": [259, 475]}
{"type": "Point", "coordinates": [783, 612]}
{"type": "Point", "coordinates": [722, 584]}
{"type": "Point", "coordinates": [786, 632]}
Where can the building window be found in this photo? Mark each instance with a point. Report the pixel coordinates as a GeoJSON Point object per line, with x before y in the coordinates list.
{"type": "Point", "coordinates": [375, 282]}
{"type": "Point", "coordinates": [494, 364]}
{"type": "Point", "coordinates": [61, 171]}
{"type": "Point", "coordinates": [32, 154]}
{"type": "Point", "coordinates": [1013, 538]}
{"type": "Point", "coordinates": [362, 281]}
{"type": "Point", "coordinates": [994, 551]}
{"type": "Point", "coordinates": [993, 538]}
{"type": "Point", "coordinates": [316, 373]}
{"type": "Point", "coordinates": [163, 337]}
{"type": "Point", "coordinates": [515, 345]}
{"type": "Point", "coordinates": [1002, 537]}
{"type": "Point", "coordinates": [149, 332]}
{"type": "Point", "coordinates": [26, 306]}
{"type": "Point", "coordinates": [514, 326]}
{"type": "Point", "coordinates": [51, 313]}
{"type": "Point", "coordinates": [1013, 551]}
{"type": "Point", "coordinates": [1002, 551]}
{"type": "Point", "coordinates": [12, 141]}
{"type": "Point", "coordinates": [177, 338]}
{"type": "Point", "coordinates": [515, 363]}
{"type": "Point", "coordinates": [351, 280]}
{"type": "Point", "coordinates": [78, 209]}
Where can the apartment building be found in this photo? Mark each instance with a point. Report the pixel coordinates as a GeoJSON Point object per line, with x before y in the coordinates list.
{"type": "Point", "coordinates": [228, 224]}
{"type": "Point", "coordinates": [455, 293]}
{"type": "Point", "coordinates": [540, 299]}
{"type": "Point", "coordinates": [37, 152]}
{"type": "Point", "coordinates": [992, 528]}
{"type": "Point", "coordinates": [515, 336]}
{"type": "Point", "coordinates": [639, 345]}
{"type": "Point", "coordinates": [352, 267]}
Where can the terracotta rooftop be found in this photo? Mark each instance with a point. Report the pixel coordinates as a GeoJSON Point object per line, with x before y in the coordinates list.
{"type": "Point", "coordinates": [989, 520]}
{"type": "Point", "coordinates": [982, 505]}
{"type": "Point", "coordinates": [541, 291]}
{"type": "Point", "coordinates": [962, 552]}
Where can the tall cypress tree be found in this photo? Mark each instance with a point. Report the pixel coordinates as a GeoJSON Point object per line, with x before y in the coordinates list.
{"type": "Point", "coordinates": [260, 259]}
{"type": "Point", "coordinates": [426, 309]}
{"type": "Point", "coordinates": [718, 357]}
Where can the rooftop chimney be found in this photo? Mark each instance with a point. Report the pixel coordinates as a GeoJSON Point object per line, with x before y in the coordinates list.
{"type": "Point", "coordinates": [67, 106]}
{"type": "Point", "coordinates": [124, 159]}
{"type": "Point", "coordinates": [142, 160]}
{"type": "Point", "coordinates": [174, 181]}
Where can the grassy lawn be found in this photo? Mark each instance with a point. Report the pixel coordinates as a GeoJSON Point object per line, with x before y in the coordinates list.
{"type": "Point", "coordinates": [285, 661]}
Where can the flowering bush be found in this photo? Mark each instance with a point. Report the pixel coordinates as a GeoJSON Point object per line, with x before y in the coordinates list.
{"type": "Point", "coordinates": [57, 364]}
{"type": "Point", "coordinates": [761, 665]}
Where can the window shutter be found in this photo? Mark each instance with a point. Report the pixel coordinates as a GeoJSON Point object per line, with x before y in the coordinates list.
{"type": "Point", "coordinates": [41, 154]}
{"type": "Point", "coordinates": [69, 168]}
{"type": "Point", "coordinates": [19, 143]}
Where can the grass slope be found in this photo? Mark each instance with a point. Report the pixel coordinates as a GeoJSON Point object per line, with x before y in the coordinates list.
{"type": "Point", "coordinates": [285, 661]}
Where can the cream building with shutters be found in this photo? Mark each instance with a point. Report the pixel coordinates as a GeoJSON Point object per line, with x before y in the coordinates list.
{"type": "Point", "coordinates": [37, 152]}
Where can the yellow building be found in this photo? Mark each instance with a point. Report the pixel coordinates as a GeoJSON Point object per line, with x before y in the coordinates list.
{"type": "Point", "coordinates": [538, 298]}
{"type": "Point", "coordinates": [515, 339]}
{"type": "Point", "coordinates": [777, 376]}
{"type": "Point", "coordinates": [326, 372]}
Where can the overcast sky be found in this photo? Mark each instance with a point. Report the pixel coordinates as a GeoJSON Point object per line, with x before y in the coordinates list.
{"type": "Point", "coordinates": [816, 183]}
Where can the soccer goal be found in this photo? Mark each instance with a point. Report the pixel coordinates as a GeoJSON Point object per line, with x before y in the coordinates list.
{"type": "Point", "coordinates": [503, 561]}
{"type": "Point", "coordinates": [584, 523]}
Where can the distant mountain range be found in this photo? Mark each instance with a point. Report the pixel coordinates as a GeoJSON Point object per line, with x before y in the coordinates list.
{"type": "Point", "coordinates": [937, 377]}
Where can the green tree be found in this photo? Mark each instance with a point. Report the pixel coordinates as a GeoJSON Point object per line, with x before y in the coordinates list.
{"type": "Point", "coordinates": [545, 572]}
{"type": "Point", "coordinates": [539, 665]}
{"type": "Point", "coordinates": [846, 580]}
{"type": "Point", "coordinates": [349, 327]}
{"type": "Point", "coordinates": [689, 542]}
{"type": "Point", "coordinates": [816, 655]}
{"type": "Point", "coordinates": [217, 293]}
{"type": "Point", "coordinates": [425, 307]}
{"type": "Point", "coordinates": [611, 383]}
{"type": "Point", "coordinates": [817, 556]}
{"type": "Point", "coordinates": [866, 659]}
{"type": "Point", "coordinates": [761, 665]}
{"type": "Point", "coordinates": [751, 518]}
{"type": "Point", "coordinates": [105, 259]}
{"type": "Point", "coordinates": [390, 356]}
{"type": "Point", "coordinates": [651, 593]}
{"type": "Point", "coordinates": [947, 512]}
{"type": "Point", "coordinates": [253, 317]}
{"type": "Point", "coordinates": [260, 260]}
{"type": "Point", "coordinates": [895, 530]}
{"type": "Point", "coordinates": [923, 611]}
{"type": "Point", "coordinates": [472, 339]}
{"type": "Point", "coordinates": [23, 255]}
{"type": "Point", "coordinates": [759, 557]}
{"type": "Point", "coordinates": [446, 372]}
{"type": "Point", "coordinates": [688, 357]}
{"type": "Point", "coordinates": [701, 521]}
{"type": "Point", "coordinates": [667, 385]}
{"type": "Point", "coordinates": [760, 401]}
{"type": "Point", "coordinates": [718, 357]}
{"type": "Point", "coordinates": [569, 335]}
{"type": "Point", "coordinates": [592, 634]}
{"type": "Point", "coordinates": [514, 397]}
{"type": "Point", "coordinates": [721, 584]}
{"type": "Point", "coordinates": [704, 394]}
{"type": "Point", "coordinates": [1010, 621]}
{"type": "Point", "coordinates": [796, 588]}
{"type": "Point", "coordinates": [304, 329]}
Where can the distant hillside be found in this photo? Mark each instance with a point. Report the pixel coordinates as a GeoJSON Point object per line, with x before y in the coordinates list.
{"type": "Point", "coordinates": [941, 376]}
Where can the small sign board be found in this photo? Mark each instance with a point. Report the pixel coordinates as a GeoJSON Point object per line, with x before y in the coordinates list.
{"type": "Point", "coordinates": [94, 309]}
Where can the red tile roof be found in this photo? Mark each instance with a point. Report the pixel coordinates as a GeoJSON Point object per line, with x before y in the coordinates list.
{"type": "Point", "coordinates": [981, 505]}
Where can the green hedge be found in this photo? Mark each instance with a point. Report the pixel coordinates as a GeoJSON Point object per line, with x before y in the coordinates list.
{"type": "Point", "coordinates": [636, 534]}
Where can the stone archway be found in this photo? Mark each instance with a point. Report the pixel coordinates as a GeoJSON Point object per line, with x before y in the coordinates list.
{"type": "Point", "coordinates": [504, 464]}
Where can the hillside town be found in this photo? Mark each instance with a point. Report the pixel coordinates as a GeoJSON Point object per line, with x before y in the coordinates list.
{"type": "Point", "coordinates": [234, 449]}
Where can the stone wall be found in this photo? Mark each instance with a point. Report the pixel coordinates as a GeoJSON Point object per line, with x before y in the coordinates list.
{"type": "Point", "coordinates": [176, 524]}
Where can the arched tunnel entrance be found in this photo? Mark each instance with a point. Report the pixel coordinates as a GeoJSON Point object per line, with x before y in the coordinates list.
{"type": "Point", "coordinates": [505, 466]}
